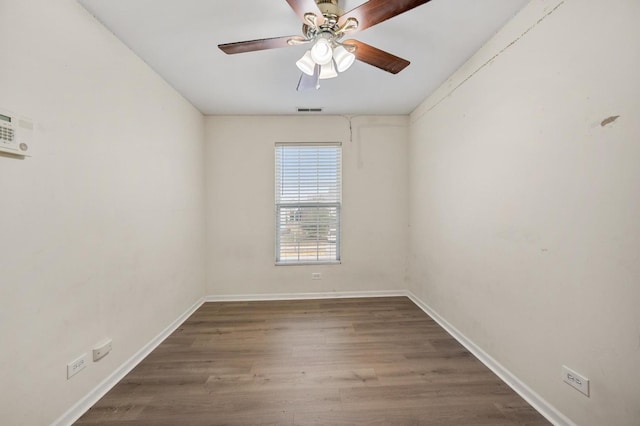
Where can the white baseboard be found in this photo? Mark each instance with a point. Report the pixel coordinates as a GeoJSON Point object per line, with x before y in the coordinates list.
{"type": "Point", "coordinates": [535, 400]}
{"type": "Point", "coordinates": [303, 296]}
{"type": "Point", "coordinates": [75, 412]}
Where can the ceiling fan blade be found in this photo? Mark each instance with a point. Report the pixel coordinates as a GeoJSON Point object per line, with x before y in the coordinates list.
{"type": "Point", "coordinates": [375, 11]}
{"type": "Point", "coordinates": [378, 58]}
{"type": "Point", "coordinates": [308, 82]}
{"type": "Point", "coordinates": [302, 7]}
{"type": "Point", "coordinates": [260, 44]}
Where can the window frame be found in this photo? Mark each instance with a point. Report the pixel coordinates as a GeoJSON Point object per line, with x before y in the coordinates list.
{"type": "Point", "coordinates": [337, 205]}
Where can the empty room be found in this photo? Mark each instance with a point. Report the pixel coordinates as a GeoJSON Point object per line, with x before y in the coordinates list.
{"type": "Point", "coordinates": [320, 212]}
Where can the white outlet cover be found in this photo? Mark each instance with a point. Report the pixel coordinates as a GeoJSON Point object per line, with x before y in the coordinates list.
{"type": "Point", "coordinates": [78, 364]}
{"type": "Point", "coordinates": [101, 349]}
{"type": "Point", "coordinates": [575, 380]}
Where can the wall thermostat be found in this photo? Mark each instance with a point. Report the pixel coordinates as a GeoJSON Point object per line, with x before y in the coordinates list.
{"type": "Point", "coordinates": [15, 134]}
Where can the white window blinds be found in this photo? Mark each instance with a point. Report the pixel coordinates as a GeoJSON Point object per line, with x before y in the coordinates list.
{"type": "Point", "coordinates": [308, 197]}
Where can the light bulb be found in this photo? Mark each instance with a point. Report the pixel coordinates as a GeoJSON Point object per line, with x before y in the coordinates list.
{"type": "Point", "coordinates": [321, 52]}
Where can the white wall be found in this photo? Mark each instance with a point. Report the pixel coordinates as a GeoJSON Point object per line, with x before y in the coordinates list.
{"type": "Point", "coordinates": [525, 210]}
{"type": "Point", "coordinates": [240, 204]}
{"type": "Point", "coordinates": [102, 228]}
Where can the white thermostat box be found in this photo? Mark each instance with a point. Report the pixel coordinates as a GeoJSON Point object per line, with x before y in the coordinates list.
{"type": "Point", "coordinates": [15, 134]}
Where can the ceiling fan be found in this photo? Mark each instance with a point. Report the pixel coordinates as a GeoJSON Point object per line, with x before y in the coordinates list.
{"type": "Point", "coordinates": [324, 25]}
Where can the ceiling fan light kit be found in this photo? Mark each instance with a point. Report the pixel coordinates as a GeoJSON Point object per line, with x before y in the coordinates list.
{"type": "Point", "coordinates": [344, 59]}
{"type": "Point", "coordinates": [306, 64]}
{"type": "Point", "coordinates": [331, 60]}
{"type": "Point", "coordinates": [321, 52]}
{"type": "Point", "coordinates": [328, 71]}
{"type": "Point", "coordinates": [324, 24]}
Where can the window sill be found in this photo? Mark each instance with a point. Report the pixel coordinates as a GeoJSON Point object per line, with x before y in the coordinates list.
{"type": "Point", "coordinates": [334, 262]}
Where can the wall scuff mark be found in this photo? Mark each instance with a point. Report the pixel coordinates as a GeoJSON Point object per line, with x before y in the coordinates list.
{"type": "Point", "coordinates": [609, 120]}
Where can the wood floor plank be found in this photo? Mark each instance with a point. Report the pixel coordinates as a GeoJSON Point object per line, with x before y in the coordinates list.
{"type": "Point", "coordinates": [373, 361]}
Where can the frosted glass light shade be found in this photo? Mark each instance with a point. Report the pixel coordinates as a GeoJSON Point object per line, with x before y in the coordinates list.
{"type": "Point", "coordinates": [328, 71]}
{"type": "Point", "coordinates": [321, 52]}
{"type": "Point", "coordinates": [306, 64]}
{"type": "Point", "coordinates": [344, 59]}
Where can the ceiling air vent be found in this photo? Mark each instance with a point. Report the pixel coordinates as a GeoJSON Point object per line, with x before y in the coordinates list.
{"type": "Point", "coordinates": [309, 109]}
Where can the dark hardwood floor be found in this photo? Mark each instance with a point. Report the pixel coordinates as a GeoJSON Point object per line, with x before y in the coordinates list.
{"type": "Point", "coordinates": [374, 361]}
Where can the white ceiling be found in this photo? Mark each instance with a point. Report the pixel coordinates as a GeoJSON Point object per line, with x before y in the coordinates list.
{"type": "Point", "coordinates": [179, 38]}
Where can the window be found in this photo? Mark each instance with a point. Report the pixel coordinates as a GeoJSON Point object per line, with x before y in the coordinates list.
{"type": "Point", "coordinates": [308, 197]}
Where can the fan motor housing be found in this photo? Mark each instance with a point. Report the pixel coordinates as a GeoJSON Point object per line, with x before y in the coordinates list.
{"type": "Point", "coordinates": [331, 13]}
{"type": "Point", "coordinates": [329, 7]}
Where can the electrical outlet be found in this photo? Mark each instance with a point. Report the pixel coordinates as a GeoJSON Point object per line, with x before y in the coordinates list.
{"type": "Point", "coordinates": [76, 365]}
{"type": "Point", "coordinates": [316, 276]}
{"type": "Point", "coordinates": [576, 380]}
{"type": "Point", "coordinates": [101, 349]}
